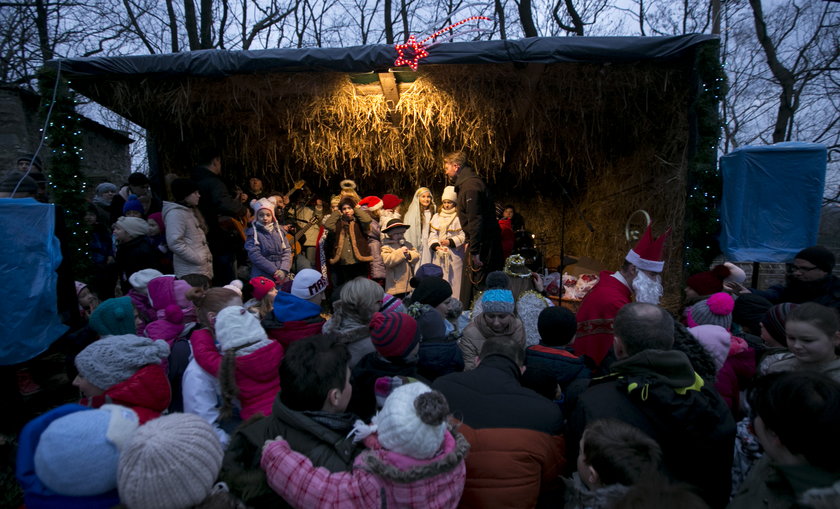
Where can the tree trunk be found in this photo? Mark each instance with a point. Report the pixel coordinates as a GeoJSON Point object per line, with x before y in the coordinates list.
{"type": "Point", "coordinates": [500, 15]}
{"type": "Point", "coordinates": [783, 76]}
{"type": "Point", "coordinates": [389, 23]}
{"type": "Point", "coordinates": [41, 21]}
{"type": "Point", "coordinates": [191, 23]}
{"type": "Point", "coordinates": [527, 18]}
{"type": "Point", "coordinates": [173, 26]}
{"type": "Point", "coordinates": [206, 24]}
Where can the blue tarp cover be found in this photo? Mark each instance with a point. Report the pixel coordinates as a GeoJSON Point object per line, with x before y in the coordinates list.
{"type": "Point", "coordinates": [29, 256]}
{"type": "Point", "coordinates": [771, 200]}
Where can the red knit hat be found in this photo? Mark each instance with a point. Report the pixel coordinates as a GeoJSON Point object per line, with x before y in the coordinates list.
{"type": "Point", "coordinates": [647, 255]}
{"type": "Point", "coordinates": [262, 285]}
{"type": "Point", "coordinates": [393, 334]}
{"type": "Point", "coordinates": [390, 201]}
{"type": "Point", "coordinates": [709, 282]}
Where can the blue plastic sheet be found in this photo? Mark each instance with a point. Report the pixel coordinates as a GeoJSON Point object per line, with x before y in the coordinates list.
{"type": "Point", "coordinates": [29, 256]}
{"type": "Point", "coordinates": [771, 200]}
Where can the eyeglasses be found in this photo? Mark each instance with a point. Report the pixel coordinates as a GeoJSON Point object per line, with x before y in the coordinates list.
{"type": "Point", "coordinates": [800, 268]}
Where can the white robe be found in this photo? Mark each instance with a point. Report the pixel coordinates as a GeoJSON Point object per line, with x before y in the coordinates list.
{"type": "Point", "coordinates": [452, 262]}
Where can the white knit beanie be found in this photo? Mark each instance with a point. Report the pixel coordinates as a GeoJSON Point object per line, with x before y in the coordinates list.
{"type": "Point", "coordinates": [133, 226]}
{"type": "Point", "coordinates": [449, 194]}
{"type": "Point", "coordinates": [413, 421]}
{"type": "Point", "coordinates": [236, 327]}
{"type": "Point", "coordinates": [140, 279]}
{"type": "Point", "coordinates": [171, 462]}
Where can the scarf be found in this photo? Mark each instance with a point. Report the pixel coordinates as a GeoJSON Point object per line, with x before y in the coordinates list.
{"type": "Point", "coordinates": [340, 423]}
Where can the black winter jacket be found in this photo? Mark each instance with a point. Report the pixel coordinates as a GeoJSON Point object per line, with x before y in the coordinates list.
{"type": "Point", "coordinates": [658, 392]}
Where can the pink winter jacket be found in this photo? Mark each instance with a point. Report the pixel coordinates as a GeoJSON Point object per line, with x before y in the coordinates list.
{"type": "Point", "coordinates": [405, 482]}
{"type": "Point", "coordinates": [257, 373]}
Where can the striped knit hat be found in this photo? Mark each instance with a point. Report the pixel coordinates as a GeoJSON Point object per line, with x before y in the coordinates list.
{"type": "Point", "coordinates": [393, 334]}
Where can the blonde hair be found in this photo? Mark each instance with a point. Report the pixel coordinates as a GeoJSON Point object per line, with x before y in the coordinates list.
{"type": "Point", "coordinates": [211, 300]}
{"type": "Point", "coordinates": [361, 297]}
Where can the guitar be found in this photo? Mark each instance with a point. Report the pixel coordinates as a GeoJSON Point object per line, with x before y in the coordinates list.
{"type": "Point", "coordinates": [294, 240]}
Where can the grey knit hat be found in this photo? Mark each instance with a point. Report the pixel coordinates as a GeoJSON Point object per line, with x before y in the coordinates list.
{"type": "Point", "coordinates": [113, 359]}
{"type": "Point", "coordinates": [171, 462]}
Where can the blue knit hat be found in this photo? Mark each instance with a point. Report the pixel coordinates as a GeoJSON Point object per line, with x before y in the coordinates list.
{"type": "Point", "coordinates": [77, 455]}
{"type": "Point", "coordinates": [114, 317]}
{"type": "Point", "coordinates": [497, 300]}
{"type": "Point", "coordinates": [133, 204]}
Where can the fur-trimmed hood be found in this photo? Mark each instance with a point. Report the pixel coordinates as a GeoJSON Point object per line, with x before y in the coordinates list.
{"type": "Point", "coordinates": [403, 469]}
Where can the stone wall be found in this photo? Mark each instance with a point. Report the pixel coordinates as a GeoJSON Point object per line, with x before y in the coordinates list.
{"type": "Point", "coordinates": [105, 150]}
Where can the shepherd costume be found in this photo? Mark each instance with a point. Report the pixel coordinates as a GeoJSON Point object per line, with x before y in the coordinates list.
{"type": "Point", "coordinates": [597, 312]}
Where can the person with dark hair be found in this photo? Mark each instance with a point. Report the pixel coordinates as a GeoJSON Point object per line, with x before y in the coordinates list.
{"type": "Point", "coordinates": [639, 277]}
{"type": "Point", "coordinates": [222, 209]}
{"type": "Point", "coordinates": [557, 327]}
{"type": "Point", "coordinates": [186, 231]}
{"type": "Point", "coordinates": [140, 186]}
{"type": "Point", "coordinates": [309, 413]}
{"type": "Point", "coordinates": [796, 418]}
{"type": "Point", "coordinates": [506, 424]}
{"type": "Point", "coordinates": [613, 457]}
{"type": "Point", "coordinates": [809, 279]}
{"type": "Point", "coordinates": [813, 341]}
{"type": "Point", "coordinates": [654, 388]}
{"type": "Point", "coordinates": [476, 212]}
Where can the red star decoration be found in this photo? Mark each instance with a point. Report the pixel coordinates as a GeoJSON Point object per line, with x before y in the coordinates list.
{"type": "Point", "coordinates": [419, 52]}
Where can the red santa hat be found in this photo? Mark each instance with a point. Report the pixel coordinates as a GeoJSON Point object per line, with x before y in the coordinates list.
{"type": "Point", "coordinates": [390, 201]}
{"type": "Point", "coordinates": [647, 255]}
{"type": "Point", "coordinates": [372, 203]}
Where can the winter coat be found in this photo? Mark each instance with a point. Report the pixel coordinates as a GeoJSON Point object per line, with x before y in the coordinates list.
{"type": "Point", "coordinates": [135, 255]}
{"type": "Point", "coordinates": [511, 467]}
{"type": "Point", "coordinates": [257, 375]}
{"type": "Point", "coordinates": [580, 496]}
{"type": "Point", "coordinates": [374, 236]}
{"type": "Point", "coordinates": [786, 361]}
{"type": "Point", "coordinates": [737, 372]}
{"type": "Point", "coordinates": [350, 243]}
{"type": "Point", "coordinates": [477, 332]}
{"type": "Point", "coordinates": [824, 291]}
{"type": "Point", "coordinates": [560, 361]}
{"type": "Point", "coordinates": [380, 478]}
{"type": "Point", "coordinates": [147, 392]}
{"type": "Point", "coordinates": [268, 251]}
{"type": "Point", "coordinates": [332, 450]}
{"type": "Point", "coordinates": [658, 392]}
{"type": "Point", "coordinates": [439, 357]}
{"type": "Point", "coordinates": [490, 396]}
{"type": "Point", "coordinates": [398, 270]}
{"type": "Point", "coordinates": [770, 486]}
{"type": "Point", "coordinates": [363, 379]}
{"type": "Point", "coordinates": [35, 494]}
{"type": "Point", "coordinates": [186, 237]}
{"type": "Point", "coordinates": [477, 213]}
{"type": "Point", "coordinates": [293, 319]}
{"type": "Point", "coordinates": [216, 201]}
{"type": "Point", "coordinates": [201, 393]}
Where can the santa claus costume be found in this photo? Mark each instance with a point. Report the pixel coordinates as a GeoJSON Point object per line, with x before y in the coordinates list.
{"type": "Point", "coordinates": [597, 312]}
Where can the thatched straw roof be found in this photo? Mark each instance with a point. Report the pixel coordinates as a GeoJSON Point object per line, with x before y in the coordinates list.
{"type": "Point", "coordinates": [606, 117]}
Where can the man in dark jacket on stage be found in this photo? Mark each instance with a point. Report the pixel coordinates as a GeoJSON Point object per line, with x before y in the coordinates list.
{"type": "Point", "coordinates": [477, 214]}
{"type": "Point", "coordinates": [655, 389]}
{"type": "Point", "coordinates": [516, 453]}
{"type": "Point", "coordinates": [309, 413]}
{"type": "Point", "coordinates": [222, 210]}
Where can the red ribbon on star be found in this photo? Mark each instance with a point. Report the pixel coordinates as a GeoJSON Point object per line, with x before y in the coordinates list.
{"type": "Point", "coordinates": [419, 48]}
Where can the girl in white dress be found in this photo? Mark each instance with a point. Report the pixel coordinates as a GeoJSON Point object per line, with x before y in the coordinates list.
{"type": "Point", "coordinates": [446, 241]}
{"type": "Point", "coordinates": [419, 218]}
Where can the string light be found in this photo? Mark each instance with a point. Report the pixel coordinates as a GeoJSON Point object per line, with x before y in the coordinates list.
{"type": "Point", "coordinates": [419, 48]}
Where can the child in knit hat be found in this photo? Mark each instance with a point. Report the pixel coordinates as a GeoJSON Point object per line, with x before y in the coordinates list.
{"type": "Point", "coordinates": [133, 207]}
{"type": "Point", "coordinates": [396, 338]}
{"type": "Point", "coordinates": [266, 244]}
{"type": "Point", "coordinates": [296, 314]}
{"type": "Point", "coordinates": [399, 257]}
{"type": "Point", "coordinates": [496, 320]}
{"type": "Point", "coordinates": [263, 292]}
{"type": "Point", "coordinates": [439, 352]}
{"type": "Point", "coordinates": [446, 240]}
{"type": "Point", "coordinates": [412, 460]}
{"type": "Point", "coordinates": [139, 294]}
{"type": "Point", "coordinates": [134, 249]}
{"type": "Point", "coordinates": [125, 370]}
{"type": "Point", "coordinates": [201, 390]}
{"type": "Point", "coordinates": [69, 456]}
{"type": "Point", "coordinates": [172, 463]}
{"type": "Point", "coordinates": [116, 317]}
{"type": "Point", "coordinates": [247, 366]}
